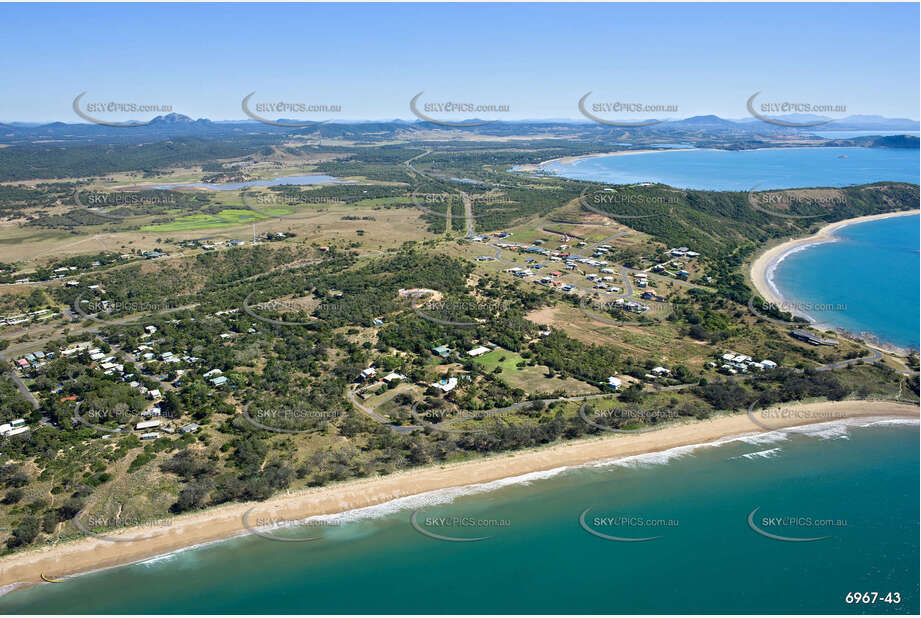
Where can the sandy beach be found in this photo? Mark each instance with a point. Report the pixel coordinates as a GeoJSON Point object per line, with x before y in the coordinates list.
{"type": "Point", "coordinates": [94, 553]}
{"type": "Point", "coordinates": [535, 167]}
{"type": "Point", "coordinates": [765, 263]}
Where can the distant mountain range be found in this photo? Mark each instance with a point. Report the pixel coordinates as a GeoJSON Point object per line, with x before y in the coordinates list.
{"type": "Point", "coordinates": [177, 125]}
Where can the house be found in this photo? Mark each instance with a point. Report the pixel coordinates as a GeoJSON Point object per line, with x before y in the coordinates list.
{"type": "Point", "coordinates": [213, 372]}
{"type": "Point", "coordinates": [661, 371]}
{"type": "Point", "coordinates": [478, 351]}
{"type": "Point", "coordinates": [370, 372]}
{"type": "Point", "coordinates": [150, 436]}
{"type": "Point", "coordinates": [390, 377]}
{"type": "Point", "coordinates": [811, 338]}
{"type": "Point", "coordinates": [154, 394]}
{"type": "Point", "coordinates": [769, 364]}
{"type": "Point", "coordinates": [445, 386]}
{"type": "Point", "coordinates": [614, 383]}
{"type": "Point", "coordinates": [378, 322]}
{"type": "Point", "coordinates": [443, 351]}
{"type": "Point", "coordinates": [150, 329]}
{"type": "Point", "coordinates": [218, 381]}
{"type": "Point", "coordinates": [148, 424]}
{"type": "Point", "coordinates": [191, 427]}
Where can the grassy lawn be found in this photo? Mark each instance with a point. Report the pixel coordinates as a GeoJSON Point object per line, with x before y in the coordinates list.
{"type": "Point", "coordinates": [530, 379]}
{"type": "Point", "coordinates": [491, 360]}
{"type": "Point", "coordinates": [197, 222]}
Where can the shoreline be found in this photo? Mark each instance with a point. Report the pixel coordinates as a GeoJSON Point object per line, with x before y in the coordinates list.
{"type": "Point", "coordinates": [762, 267]}
{"type": "Point", "coordinates": [225, 522]}
{"type": "Point", "coordinates": [534, 167]}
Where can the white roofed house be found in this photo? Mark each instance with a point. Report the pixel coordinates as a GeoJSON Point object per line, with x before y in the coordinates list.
{"type": "Point", "coordinates": [478, 351]}
{"type": "Point", "coordinates": [446, 386]}
{"type": "Point", "coordinates": [614, 383]}
{"type": "Point", "coordinates": [661, 371]}
{"type": "Point", "coordinates": [769, 364]}
{"type": "Point", "coordinates": [390, 377]}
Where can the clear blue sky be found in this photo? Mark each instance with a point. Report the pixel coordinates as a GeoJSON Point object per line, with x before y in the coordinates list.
{"type": "Point", "coordinates": [539, 59]}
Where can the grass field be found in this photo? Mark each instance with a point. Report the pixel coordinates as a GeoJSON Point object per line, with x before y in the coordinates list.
{"type": "Point", "coordinates": [199, 222]}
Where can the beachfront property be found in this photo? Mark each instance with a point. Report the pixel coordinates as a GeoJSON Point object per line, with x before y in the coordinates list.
{"type": "Point", "coordinates": [812, 338]}
{"type": "Point", "coordinates": [735, 363]}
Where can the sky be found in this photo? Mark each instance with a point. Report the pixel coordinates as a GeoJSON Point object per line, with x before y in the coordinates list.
{"type": "Point", "coordinates": [536, 59]}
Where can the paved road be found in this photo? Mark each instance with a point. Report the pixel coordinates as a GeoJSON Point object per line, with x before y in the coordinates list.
{"type": "Point", "coordinates": [21, 386]}
{"type": "Point", "coordinates": [468, 213]}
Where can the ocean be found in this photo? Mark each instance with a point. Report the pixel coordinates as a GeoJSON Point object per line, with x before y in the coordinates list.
{"type": "Point", "coordinates": [854, 485]}
{"type": "Point", "coordinates": [769, 168]}
{"type": "Point", "coordinates": [866, 280]}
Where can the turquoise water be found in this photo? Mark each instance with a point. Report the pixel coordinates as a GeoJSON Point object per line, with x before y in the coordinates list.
{"type": "Point", "coordinates": [867, 280]}
{"type": "Point", "coordinates": [542, 561]}
{"type": "Point", "coordinates": [725, 170]}
{"type": "Point", "coordinates": [313, 179]}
